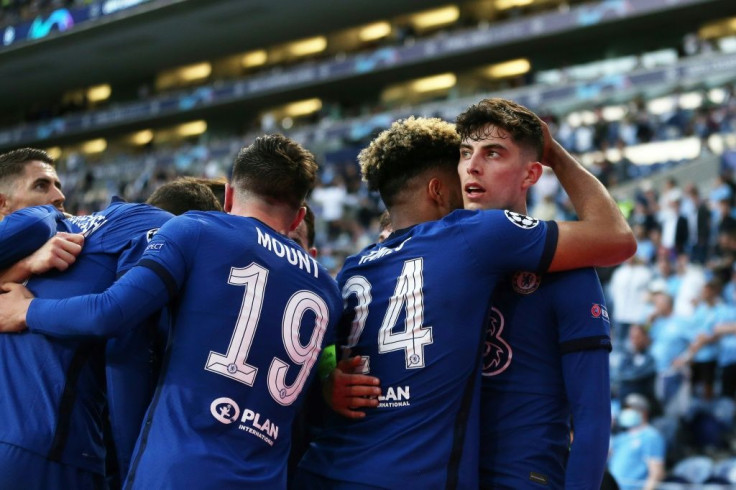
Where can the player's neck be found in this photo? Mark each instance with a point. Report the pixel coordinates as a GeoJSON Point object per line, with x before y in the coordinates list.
{"type": "Point", "coordinates": [277, 217]}
{"type": "Point", "coordinates": [405, 215]}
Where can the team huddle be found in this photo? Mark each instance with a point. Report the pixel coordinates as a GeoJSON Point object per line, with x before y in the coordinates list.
{"type": "Point", "coordinates": [456, 353]}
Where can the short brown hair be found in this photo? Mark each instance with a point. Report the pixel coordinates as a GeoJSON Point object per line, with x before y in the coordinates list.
{"type": "Point", "coordinates": [13, 163]}
{"type": "Point", "coordinates": [216, 185]}
{"type": "Point", "coordinates": [406, 149]}
{"type": "Point", "coordinates": [522, 124]}
{"type": "Point", "coordinates": [275, 167]}
{"type": "Point", "coordinates": [182, 195]}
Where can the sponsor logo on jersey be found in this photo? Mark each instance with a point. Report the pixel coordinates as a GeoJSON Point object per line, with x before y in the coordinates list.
{"type": "Point", "coordinates": [395, 396]}
{"type": "Point", "coordinates": [525, 282]}
{"type": "Point", "coordinates": [496, 352]}
{"type": "Point", "coordinates": [521, 220]}
{"type": "Point", "coordinates": [253, 423]}
{"type": "Point", "coordinates": [150, 233]}
{"type": "Point", "coordinates": [227, 411]}
{"type": "Point", "coordinates": [599, 311]}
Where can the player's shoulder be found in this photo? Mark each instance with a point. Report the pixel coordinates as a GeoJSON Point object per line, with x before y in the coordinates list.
{"type": "Point", "coordinates": [37, 212]}
{"type": "Point", "coordinates": [489, 216]}
{"type": "Point", "coordinates": [122, 212]}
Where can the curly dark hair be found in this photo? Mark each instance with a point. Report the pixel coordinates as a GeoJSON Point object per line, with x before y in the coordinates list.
{"type": "Point", "coordinates": [523, 125]}
{"type": "Point", "coordinates": [408, 148]}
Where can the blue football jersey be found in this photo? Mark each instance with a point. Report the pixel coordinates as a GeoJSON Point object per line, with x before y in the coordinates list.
{"type": "Point", "coordinates": [534, 321]}
{"type": "Point", "coordinates": [26, 230]}
{"type": "Point", "coordinates": [415, 310]}
{"type": "Point", "coordinates": [132, 366]}
{"type": "Point", "coordinates": [251, 311]}
{"type": "Point", "coordinates": [52, 396]}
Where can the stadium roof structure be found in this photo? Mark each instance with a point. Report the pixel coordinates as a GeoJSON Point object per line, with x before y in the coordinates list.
{"type": "Point", "coordinates": [136, 42]}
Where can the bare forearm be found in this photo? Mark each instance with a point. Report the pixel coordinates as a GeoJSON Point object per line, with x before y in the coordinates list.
{"type": "Point", "coordinates": [656, 473]}
{"type": "Point", "coordinates": [18, 272]}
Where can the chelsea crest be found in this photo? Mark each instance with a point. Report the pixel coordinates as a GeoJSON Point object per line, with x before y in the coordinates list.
{"type": "Point", "coordinates": [525, 282]}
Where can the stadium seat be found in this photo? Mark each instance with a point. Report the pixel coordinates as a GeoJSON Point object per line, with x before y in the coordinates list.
{"type": "Point", "coordinates": [695, 469]}
{"type": "Point", "coordinates": [724, 410]}
{"type": "Point", "coordinates": [725, 470]}
{"type": "Point", "coordinates": [706, 430]}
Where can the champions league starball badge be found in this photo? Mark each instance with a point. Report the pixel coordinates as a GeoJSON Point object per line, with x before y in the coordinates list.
{"type": "Point", "coordinates": [521, 220]}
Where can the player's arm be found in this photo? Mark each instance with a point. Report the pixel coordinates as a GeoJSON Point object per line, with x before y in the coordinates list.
{"type": "Point", "coordinates": [588, 389]}
{"type": "Point", "coordinates": [602, 237]}
{"type": "Point", "coordinates": [138, 294]}
{"type": "Point", "coordinates": [141, 292]}
{"type": "Point", "coordinates": [25, 231]}
{"type": "Point", "coordinates": [584, 333]}
{"type": "Point", "coordinates": [59, 252]}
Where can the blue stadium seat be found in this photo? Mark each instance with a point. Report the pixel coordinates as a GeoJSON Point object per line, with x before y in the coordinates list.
{"type": "Point", "coordinates": [724, 410]}
{"type": "Point", "coordinates": [695, 469]}
{"type": "Point", "coordinates": [706, 430]}
{"type": "Point", "coordinates": [725, 470]}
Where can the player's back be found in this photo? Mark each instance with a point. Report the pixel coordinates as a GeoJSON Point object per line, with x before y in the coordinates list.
{"type": "Point", "coordinates": [535, 320]}
{"type": "Point", "coordinates": [62, 381]}
{"type": "Point", "coordinates": [249, 319]}
{"type": "Point", "coordinates": [415, 308]}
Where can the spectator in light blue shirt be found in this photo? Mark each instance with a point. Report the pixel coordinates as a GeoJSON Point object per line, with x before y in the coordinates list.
{"type": "Point", "coordinates": [703, 352]}
{"type": "Point", "coordinates": [638, 452]}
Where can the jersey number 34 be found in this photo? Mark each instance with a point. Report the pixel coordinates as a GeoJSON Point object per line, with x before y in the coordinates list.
{"type": "Point", "coordinates": [408, 295]}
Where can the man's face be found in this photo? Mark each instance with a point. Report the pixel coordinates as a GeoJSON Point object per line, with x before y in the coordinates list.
{"type": "Point", "coordinates": [494, 171]}
{"type": "Point", "coordinates": [38, 185]}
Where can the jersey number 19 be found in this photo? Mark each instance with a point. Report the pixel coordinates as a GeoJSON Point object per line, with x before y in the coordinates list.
{"type": "Point", "coordinates": [233, 363]}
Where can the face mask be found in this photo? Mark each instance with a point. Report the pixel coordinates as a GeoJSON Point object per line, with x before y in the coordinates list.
{"type": "Point", "coordinates": [629, 418]}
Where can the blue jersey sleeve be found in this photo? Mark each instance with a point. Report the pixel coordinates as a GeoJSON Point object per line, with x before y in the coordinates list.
{"type": "Point", "coordinates": [509, 240]}
{"type": "Point", "coordinates": [138, 294]}
{"type": "Point", "coordinates": [133, 253]}
{"type": "Point", "coordinates": [168, 252]}
{"type": "Point", "coordinates": [25, 231]}
{"type": "Point", "coordinates": [129, 301]}
{"type": "Point", "coordinates": [581, 312]}
{"type": "Point", "coordinates": [584, 341]}
{"type": "Point", "coordinates": [588, 391]}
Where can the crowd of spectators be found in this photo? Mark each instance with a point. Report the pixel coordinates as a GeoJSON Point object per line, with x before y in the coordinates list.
{"type": "Point", "coordinates": [674, 328]}
{"type": "Point", "coordinates": [347, 213]}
